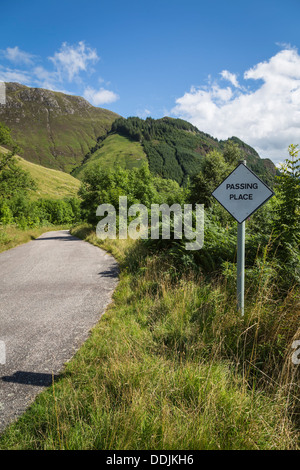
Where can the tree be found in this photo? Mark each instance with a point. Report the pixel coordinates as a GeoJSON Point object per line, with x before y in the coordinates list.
{"type": "Point", "coordinates": [105, 186]}
{"type": "Point", "coordinates": [287, 216]}
{"type": "Point", "coordinates": [13, 180]}
{"type": "Point", "coordinates": [6, 216]}
{"type": "Point", "coordinates": [213, 171]}
{"type": "Point", "coordinates": [232, 153]}
{"type": "Point", "coordinates": [7, 140]}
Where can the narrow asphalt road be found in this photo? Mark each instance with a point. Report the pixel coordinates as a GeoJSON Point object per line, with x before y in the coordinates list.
{"type": "Point", "coordinates": [53, 290]}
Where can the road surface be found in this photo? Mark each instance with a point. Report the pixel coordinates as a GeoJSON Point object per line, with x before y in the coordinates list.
{"type": "Point", "coordinates": [53, 290]}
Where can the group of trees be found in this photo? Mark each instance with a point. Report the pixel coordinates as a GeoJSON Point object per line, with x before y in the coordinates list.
{"type": "Point", "coordinates": [174, 147]}
{"type": "Point", "coordinates": [17, 188]}
{"type": "Point", "coordinates": [101, 186]}
{"type": "Point", "coordinates": [26, 213]}
{"type": "Point", "coordinates": [137, 129]}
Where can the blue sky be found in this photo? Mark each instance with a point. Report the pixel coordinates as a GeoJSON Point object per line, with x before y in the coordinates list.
{"type": "Point", "coordinates": [231, 67]}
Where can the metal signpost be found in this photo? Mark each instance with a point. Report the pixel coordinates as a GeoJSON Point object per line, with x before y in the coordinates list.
{"type": "Point", "coordinates": [241, 194]}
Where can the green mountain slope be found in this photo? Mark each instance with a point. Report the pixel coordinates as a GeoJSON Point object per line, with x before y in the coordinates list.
{"type": "Point", "coordinates": [51, 184]}
{"type": "Point", "coordinates": [53, 129]}
{"type": "Point", "coordinates": [174, 148]}
{"type": "Point", "coordinates": [115, 150]}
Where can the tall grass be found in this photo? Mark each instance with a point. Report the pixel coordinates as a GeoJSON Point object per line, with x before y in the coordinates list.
{"type": "Point", "coordinates": [171, 365]}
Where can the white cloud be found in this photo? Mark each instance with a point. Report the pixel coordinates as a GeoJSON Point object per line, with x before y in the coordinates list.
{"type": "Point", "coordinates": [267, 118]}
{"type": "Point", "coordinates": [98, 97]}
{"type": "Point", "coordinates": [71, 60]}
{"type": "Point", "coordinates": [17, 56]}
{"type": "Point", "coordinates": [46, 78]}
{"type": "Point", "coordinates": [143, 113]}
{"type": "Point", "coordinates": [231, 77]}
{"type": "Point", "coordinates": [12, 75]}
{"type": "Point", "coordinates": [68, 63]}
{"type": "Point", "coordinates": [68, 66]}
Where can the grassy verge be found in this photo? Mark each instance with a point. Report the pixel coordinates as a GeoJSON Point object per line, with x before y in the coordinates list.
{"type": "Point", "coordinates": [171, 366]}
{"type": "Point", "coordinates": [11, 236]}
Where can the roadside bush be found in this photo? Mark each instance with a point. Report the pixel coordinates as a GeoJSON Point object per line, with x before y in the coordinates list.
{"type": "Point", "coordinates": [6, 216]}
{"type": "Point", "coordinates": [26, 214]}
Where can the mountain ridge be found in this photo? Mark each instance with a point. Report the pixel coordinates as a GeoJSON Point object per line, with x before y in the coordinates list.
{"type": "Point", "coordinates": [175, 148]}
{"type": "Point", "coordinates": [65, 132]}
{"type": "Point", "coordinates": [53, 129]}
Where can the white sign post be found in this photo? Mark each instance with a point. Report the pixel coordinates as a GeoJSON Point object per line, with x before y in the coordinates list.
{"type": "Point", "coordinates": [241, 194]}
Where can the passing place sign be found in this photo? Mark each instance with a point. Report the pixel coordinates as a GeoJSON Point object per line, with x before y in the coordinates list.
{"type": "Point", "coordinates": [242, 193]}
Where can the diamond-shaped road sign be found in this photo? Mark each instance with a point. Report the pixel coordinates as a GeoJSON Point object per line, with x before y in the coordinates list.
{"type": "Point", "coordinates": [242, 193]}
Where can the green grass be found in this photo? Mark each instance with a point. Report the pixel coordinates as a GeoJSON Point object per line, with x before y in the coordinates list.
{"type": "Point", "coordinates": [168, 367]}
{"type": "Point", "coordinates": [12, 236]}
{"type": "Point", "coordinates": [116, 150]}
{"type": "Point", "coordinates": [53, 184]}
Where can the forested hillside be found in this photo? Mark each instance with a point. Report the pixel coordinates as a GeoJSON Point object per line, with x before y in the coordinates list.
{"type": "Point", "coordinates": [175, 148]}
